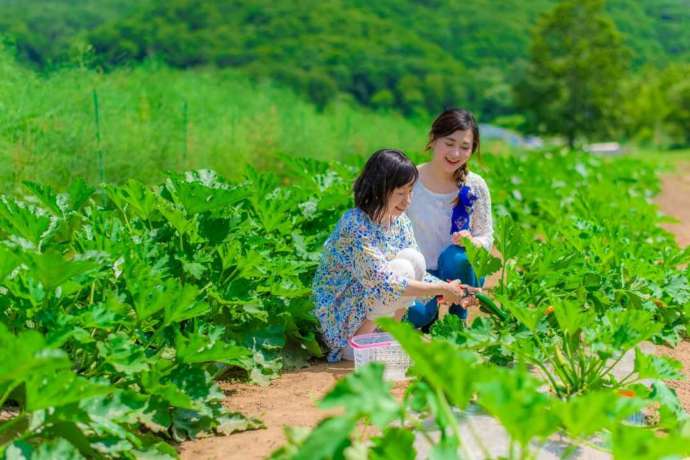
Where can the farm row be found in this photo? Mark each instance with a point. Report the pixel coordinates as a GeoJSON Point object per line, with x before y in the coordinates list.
{"type": "Point", "coordinates": [123, 305]}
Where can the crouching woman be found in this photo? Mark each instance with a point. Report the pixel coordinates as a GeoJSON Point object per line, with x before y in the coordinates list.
{"type": "Point", "coordinates": [371, 265]}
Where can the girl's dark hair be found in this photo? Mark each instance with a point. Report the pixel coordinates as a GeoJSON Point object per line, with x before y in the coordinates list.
{"type": "Point", "coordinates": [385, 171]}
{"type": "Point", "coordinates": [449, 121]}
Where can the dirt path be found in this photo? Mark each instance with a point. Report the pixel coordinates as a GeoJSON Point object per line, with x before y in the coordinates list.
{"type": "Point", "coordinates": [674, 200]}
{"type": "Point", "coordinates": [291, 399]}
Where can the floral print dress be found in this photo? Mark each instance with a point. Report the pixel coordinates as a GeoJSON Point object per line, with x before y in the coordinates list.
{"type": "Point", "coordinates": [353, 277]}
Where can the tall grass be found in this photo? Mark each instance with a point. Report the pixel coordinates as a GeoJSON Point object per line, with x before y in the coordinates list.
{"type": "Point", "coordinates": [151, 119]}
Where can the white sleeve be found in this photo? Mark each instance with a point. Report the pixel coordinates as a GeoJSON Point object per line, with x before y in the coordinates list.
{"type": "Point", "coordinates": [482, 226]}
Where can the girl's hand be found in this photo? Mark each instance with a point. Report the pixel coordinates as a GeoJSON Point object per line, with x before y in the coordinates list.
{"type": "Point", "coordinates": [454, 292]}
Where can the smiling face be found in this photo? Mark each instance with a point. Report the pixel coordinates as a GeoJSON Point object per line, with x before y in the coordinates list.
{"type": "Point", "coordinates": [399, 200]}
{"type": "Point", "coordinates": [452, 151]}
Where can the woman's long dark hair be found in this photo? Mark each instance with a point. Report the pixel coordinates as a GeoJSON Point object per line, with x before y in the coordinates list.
{"type": "Point", "coordinates": [449, 121]}
{"type": "Point", "coordinates": [386, 170]}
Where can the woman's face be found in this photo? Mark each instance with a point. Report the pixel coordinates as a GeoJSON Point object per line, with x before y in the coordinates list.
{"type": "Point", "coordinates": [452, 151]}
{"type": "Point", "coordinates": [399, 200]}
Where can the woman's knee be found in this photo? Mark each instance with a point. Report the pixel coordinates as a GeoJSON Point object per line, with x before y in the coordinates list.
{"type": "Point", "coordinates": [453, 262]}
{"type": "Point", "coordinates": [421, 314]}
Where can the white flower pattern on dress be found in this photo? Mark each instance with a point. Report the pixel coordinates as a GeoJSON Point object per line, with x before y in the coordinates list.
{"type": "Point", "coordinates": [353, 277]}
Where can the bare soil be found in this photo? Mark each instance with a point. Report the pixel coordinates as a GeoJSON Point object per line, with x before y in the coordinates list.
{"type": "Point", "coordinates": [674, 200]}
{"type": "Point", "coordinates": [291, 400]}
{"type": "Point", "coordinates": [682, 354]}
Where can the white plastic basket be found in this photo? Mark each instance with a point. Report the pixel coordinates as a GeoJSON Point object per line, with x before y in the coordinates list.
{"type": "Point", "coordinates": [383, 348]}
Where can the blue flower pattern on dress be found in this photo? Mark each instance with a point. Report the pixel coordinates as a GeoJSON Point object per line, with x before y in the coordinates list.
{"type": "Point", "coordinates": [353, 276]}
{"type": "Point", "coordinates": [462, 211]}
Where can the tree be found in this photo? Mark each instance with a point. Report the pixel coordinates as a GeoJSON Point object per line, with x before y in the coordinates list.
{"type": "Point", "coordinates": [572, 86]}
{"type": "Point", "coordinates": [657, 106]}
{"type": "Point", "coordinates": [678, 98]}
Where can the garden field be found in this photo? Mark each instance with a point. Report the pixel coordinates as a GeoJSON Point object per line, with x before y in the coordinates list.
{"type": "Point", "coordinates": [125, 305]}
{"type": "Point", "coordinates": [170, 171]}
{"type": "Point", "coordinates": [292, 399]}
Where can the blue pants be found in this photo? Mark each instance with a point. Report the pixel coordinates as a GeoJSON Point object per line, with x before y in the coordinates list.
{"type": "Point", "coordinates": [452, 265]}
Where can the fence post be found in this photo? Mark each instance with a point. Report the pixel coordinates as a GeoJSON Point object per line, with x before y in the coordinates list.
{"type": "Point", "coordinates": [185, 122]}
{"type": "Point", "coordinates": [99, 151]}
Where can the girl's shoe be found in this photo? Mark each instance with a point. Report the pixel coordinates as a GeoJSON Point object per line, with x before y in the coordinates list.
{"type": "Point", "coordinates": [348, 353]}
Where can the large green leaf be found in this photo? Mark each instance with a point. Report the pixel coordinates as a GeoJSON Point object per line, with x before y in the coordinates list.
{"type": "Point", "coordinates": [671, 410]}
{"type": "Point", "coordinates": [679, 289]}
{"type": "Point", "coordinates": [234, 422]}
{"type": "Point", "coordinates": [58, 389]}
{"type": "Point", "coordinates": [513, 396]}
{"type": "Point", "coordinates": [394, 444]}
{"type": "Point", "coordinates": [624, 329]}
{"type": "Point", "coordinates": [204, 191]}
{"type": "Point", "coordinates": [26, 355]}
{"type": "Point", "coordinates": [46, 196]}
{"type": "Point", "coordinates": [24, 220]}
{"type": "Point", "coordinates": [657, 367]}
{"type": "Point", "coordinates": [328, 440]}
{"type": "Point", "coordinates": [364, 394]}
{"type": "Point", "coordinates": [8, 262]}
{"type": "Point", "coordinates": [167, 391]}
{"type": "Point", "coordinates": [123, 354]}
{"type": "Point", "coordinates": [641, 444]}
{"type": "Point", "coordinates": [133, 198]}
{"type": "Point", "coordinates": [200, 348]}
{"type": "Point", "coordinates": [444, 365]}
{"type": "Point", "coordinates": [60, 204]}
{"type": "Point", "coordinates": [482, 261]}
{"type": "Point", "coordinates": [184, 305]}
{"type": "Point", "coordinates": [51, 450]}
{"type": "Point", "coordinates": [53, 269]}
{"type": "Point", "coordinates": [509, 239]}
{"type": "Point", "coordinates": [585, 415]}
{"type": "Point", "coordinates": [527, 315]}
{"type": "Point", "coordinates": [78, 192]}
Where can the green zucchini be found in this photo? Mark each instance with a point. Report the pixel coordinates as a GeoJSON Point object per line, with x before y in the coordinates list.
{"type": "Point", "coordinates": [488, 306]}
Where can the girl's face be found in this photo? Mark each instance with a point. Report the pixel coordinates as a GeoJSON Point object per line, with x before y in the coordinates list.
{"type": "Point", "coordinates": [399, 200]}
{"type": "Point", "coordinates": [452, 151]}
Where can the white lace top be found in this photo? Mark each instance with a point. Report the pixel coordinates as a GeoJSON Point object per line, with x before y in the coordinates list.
{"type": "Point", "coordinates": [431, 213]}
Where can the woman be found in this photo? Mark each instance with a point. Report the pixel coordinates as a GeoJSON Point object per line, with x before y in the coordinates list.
{"type": "Point", "coordinates": [450, 203]}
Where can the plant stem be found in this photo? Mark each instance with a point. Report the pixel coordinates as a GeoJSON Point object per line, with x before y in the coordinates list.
{"type": "Point", "coordinates": [99, 151]}
{"type": "Point", "coordinates": [6, 394]}
{"type": "Point", "coordinates": [608, 369]}
{"type": "Point", "coordinates": [452, 421]}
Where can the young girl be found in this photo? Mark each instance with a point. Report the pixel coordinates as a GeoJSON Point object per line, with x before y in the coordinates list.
{"type": "Point", "coordinates": [450, 202]}
{"type": "Point", "coordinates": [370, 265]}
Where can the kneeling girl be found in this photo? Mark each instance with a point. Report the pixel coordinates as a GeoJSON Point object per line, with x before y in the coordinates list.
{"type": "Point", "coordinates": [370, 264]}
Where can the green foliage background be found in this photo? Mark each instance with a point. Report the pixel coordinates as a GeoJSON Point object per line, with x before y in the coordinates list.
{"type": "Point", "coordinates": [140, 296]}
{"type": "Point", "coordinates": [413, 56]}
{"type": "Point", "coordinates": [48, 131]}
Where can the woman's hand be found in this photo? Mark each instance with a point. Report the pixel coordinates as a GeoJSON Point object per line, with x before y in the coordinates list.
{"type": "Point", "coordinates": [456, 238]}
